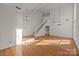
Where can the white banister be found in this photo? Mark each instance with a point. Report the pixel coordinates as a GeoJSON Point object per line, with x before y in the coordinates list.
{"type": "Point", "coordinates": [46, 17]}
{"type": "Point", "coordinates": [37, 29]}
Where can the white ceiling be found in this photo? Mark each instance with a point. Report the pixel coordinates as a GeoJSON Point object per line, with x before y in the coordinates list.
{"type": "Point", "coordinates": [44, 7]}
{"type": "Point", "coordinates": [31, 6]}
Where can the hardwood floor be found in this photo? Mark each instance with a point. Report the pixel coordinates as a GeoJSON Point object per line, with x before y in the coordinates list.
{"type": "Point", "coordinates": [43, 46]}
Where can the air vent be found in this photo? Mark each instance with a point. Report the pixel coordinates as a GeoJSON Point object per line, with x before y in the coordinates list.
{"type": "Point", "coordinates": [67, 19]}
{"type": "Point", "coordinates": [59, 24]}
{"type": "Point", "coordinates": [18, 7]}
{"type": "Point", "coordinates": [46, 14]}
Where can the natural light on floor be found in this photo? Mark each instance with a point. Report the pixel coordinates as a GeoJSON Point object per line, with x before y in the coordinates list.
{"type": "Point", "coordinates": [28, 41]}
{"type": "Point", "coordinates": [42, 42]}
{"type": "Point", "coordinates": [18, 36]}
{"type": "Point", "coordinates": [53, 42]}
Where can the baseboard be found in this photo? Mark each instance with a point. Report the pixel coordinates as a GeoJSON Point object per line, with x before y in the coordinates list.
{"type": "Point", "coordinates": [44, 35]}
{"type": "Point", "coordinates": [61, 36]}
{"type": "Point", "coordinates": [7, 47]}
{"type": "Point", "coordinates": [28, 36]}
{"type": "Point", "coordinates": [39, 36]}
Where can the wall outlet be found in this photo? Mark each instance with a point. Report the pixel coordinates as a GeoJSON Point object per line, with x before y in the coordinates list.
{"type": "Point", "coordinates": [9, 42]}
{"type": "Point", "coordinates": [58, 24]}
{"type": "Point", "coordinates": [53, 21]}
{"type": "Point", "coordinates": [67, 19]}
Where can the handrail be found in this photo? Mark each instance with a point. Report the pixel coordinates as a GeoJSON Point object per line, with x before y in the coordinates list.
{"type": "Point", "coordinates": [37, 29]}
{"type": "Point", "coordinates": [40, 26]}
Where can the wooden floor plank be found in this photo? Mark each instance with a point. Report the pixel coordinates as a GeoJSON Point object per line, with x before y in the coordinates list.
{"type": "Point", "coordinates": [43, 46]}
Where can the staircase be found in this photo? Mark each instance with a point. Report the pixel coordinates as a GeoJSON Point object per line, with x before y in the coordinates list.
{"type": "Point", "coordinates": [45, 18]}
{"type": "Point", "coordinates": [40, 26]}
{"type": "Point", "coordinates": [37, 30]}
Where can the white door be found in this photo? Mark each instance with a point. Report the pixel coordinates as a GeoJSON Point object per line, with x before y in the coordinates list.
{"type": "Point", "coordinates": [76, 24]}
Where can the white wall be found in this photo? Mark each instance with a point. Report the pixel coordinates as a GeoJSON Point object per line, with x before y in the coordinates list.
{"type": "Point", "coordinates": [8, 25]}
{"type": "Point", "coordinates": [9, 22]}
{"type": "Point", "coordinates": [35, 17]}
{"type": "Point", "coordinates": [59, 14]}
{"type": "Point", "coordinates": [65, 12]}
